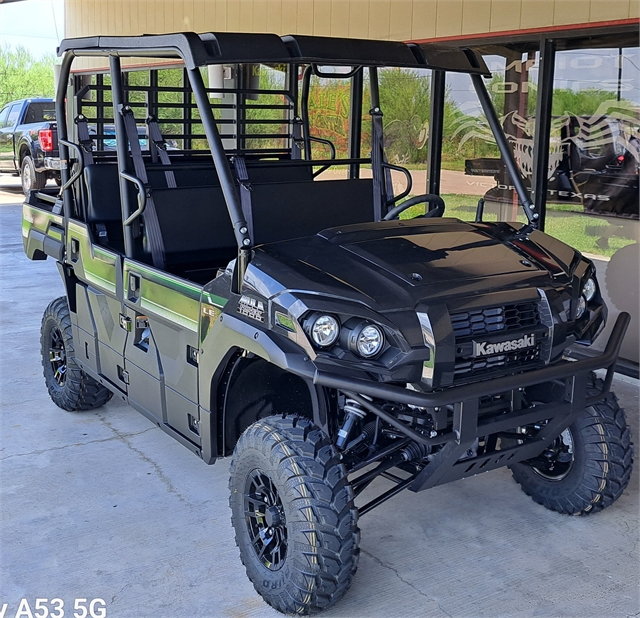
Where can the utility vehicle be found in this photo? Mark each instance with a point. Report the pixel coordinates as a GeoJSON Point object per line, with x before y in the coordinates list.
{"type": "Point", "coordinates": [252, 309]}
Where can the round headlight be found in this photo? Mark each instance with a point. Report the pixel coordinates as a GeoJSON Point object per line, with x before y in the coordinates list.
{"type": "Point", "coordinates": [369, 341]}
{"type": "Point", "coordinates": [589, 289]}
{"type": "Point", "coordinates": [325, 330]}
{"type": "Point", "coordinates": [582, 306]}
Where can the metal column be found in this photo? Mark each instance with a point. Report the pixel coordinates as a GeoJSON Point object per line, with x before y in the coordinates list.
{"type": "Point", "coordinates": [122, 148]}
{"type": "Point", "coordinates": [542, 134]}
{"type": "Point", "coordinates": [436, 121]}
{"type": "Point", "coordinates": [355, 122]}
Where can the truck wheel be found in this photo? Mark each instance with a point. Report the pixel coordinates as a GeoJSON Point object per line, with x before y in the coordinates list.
{"type": "Point", "coordinates": [293, 514]}
{"type": "Point", "coordinates": [69, 387]}
{"type": "Point", "coordinates": [31, 180]}
{"type": "Point", "coordinates": [588, 467]}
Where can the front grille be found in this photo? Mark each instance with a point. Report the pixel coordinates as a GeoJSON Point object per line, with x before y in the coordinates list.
{"type": "Point", "coordinates": [470, 325]}
{"type": "Point", "coordinates": [479, 366]}
{"type": "Point", "coordinates": [518, 316]}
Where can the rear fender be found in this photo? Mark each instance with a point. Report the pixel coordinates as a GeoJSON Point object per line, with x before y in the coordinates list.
{"type": "Point", "coordinates": [42, 233]}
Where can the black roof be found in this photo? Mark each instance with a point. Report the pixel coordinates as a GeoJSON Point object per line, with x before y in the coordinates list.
{"type": "Point", "coordinates": [227, 47]}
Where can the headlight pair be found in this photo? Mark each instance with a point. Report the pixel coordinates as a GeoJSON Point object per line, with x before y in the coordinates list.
{"type": "Point", "coordinates": [365, 339]}
{"type": "Point", "coordinates": [588, 292]}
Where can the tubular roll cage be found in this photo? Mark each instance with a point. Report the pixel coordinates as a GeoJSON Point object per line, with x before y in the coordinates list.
{"type": "Point", "coordinates": [198, 50]}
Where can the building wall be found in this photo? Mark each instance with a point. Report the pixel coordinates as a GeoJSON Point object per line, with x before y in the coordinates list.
{"type": "Point", "coordinates": [380, 19]}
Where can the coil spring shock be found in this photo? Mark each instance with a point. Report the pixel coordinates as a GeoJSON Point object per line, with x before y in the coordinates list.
{"type": "Point", "coordinates": [353, 412]}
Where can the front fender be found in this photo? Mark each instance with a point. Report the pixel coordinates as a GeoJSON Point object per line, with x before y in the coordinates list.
{"type": "Point", "coordinates": [225, 339]}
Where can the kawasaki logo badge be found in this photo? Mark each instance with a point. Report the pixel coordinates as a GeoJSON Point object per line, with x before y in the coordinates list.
{"type": "Point", "coordinates": [484, 348]}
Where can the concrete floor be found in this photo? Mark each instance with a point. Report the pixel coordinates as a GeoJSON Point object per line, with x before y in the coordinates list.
{"type": "Point", "coordinates": [104, 505]}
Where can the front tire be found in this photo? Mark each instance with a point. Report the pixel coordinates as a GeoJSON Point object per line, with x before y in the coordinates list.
{"type": "Point", "coordinates": [31, 180]}
{"type": "Point", "coordinates": [69, 387]}
{"type": "Point", "coordinates": [588, 467]}
{"type": "Point", "coordinates": [293, 514]}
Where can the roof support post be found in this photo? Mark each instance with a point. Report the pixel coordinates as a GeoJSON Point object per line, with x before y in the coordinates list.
{"type": "Point", "coordinates": [505, 150]}
{"type": "Point", "coordinates": [436, 122]}
{"type": "Point", "coordinates": [61, 116]}
{"type": "Point", "coordinates": [542, 135]}
{"type": "Point", "coordinates": [122, 149]}
{"type": "Point", "coordinates": [355, 122]}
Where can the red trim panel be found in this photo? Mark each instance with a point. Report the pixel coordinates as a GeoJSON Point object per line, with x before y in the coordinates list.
{"type": "Point", "coordinates": [544, 30]}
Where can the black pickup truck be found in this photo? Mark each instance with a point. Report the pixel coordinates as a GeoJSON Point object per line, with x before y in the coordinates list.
{"type": "Point", "coordinates": [29, 142]}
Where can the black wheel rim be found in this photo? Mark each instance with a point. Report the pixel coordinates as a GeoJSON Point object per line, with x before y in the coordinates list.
{"type": "Point", "coordinates": [557, 461]}
{"type": "Point", "coordinates": [57, 356]}
{"type": "Point", "coordinates": [265, 520]}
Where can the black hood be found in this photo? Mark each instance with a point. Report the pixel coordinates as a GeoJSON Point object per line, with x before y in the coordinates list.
{"type": "Point", "coordinates": [393, 265]}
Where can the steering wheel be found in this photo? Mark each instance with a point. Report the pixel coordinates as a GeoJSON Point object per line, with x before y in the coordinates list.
{"type": "Point", "coordinates": [438, 211]}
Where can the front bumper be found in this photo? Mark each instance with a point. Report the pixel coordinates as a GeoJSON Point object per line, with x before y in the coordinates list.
{"type": "Point", "coordinates": [468, 426]}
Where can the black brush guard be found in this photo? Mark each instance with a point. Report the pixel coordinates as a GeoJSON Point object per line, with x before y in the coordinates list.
{"type": "Point", "coordinates": [446, 464]}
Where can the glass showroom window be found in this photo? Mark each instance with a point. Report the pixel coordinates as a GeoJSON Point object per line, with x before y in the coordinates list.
{"type": "Point", "coordinates": [472, 166]}
{"type": "Point", "coordinates": [593, 199]}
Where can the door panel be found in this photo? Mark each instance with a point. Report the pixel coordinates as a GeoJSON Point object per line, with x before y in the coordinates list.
{"type": "Point", "coordinates": [99, 267]}
{"type": "Point", "coordinates": [169, 307]}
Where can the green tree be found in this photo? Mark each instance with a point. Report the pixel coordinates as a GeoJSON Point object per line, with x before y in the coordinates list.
{"type": "Point", "coordinates": [405, 99]}
{"type": "Point", "coordinates": [22, 75]}
{"type": "Point", "coordinates": [581, 102]}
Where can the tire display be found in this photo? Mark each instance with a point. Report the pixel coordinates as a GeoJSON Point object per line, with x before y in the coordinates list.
{"type": "Point", "coordinates": [588, 466]}
{"type": "Point", "coordinates": [293, 514]}
{"type": "Point", "coordinates": [69, 387]}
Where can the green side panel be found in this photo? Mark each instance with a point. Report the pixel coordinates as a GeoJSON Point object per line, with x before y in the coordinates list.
{"type": "Point", "coordinates": [91, 263]}
{"type": "Point", "coordinates": [172, 298]}
{"type": "Point", "coordinates": [36, 224]}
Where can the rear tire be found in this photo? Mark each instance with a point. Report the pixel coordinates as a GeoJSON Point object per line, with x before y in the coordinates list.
{"type": "Point", "coordinates": [31, 180]}
{"type": "Point", "coordinates": [69, 387]}
{"type": "Point", "coordinates": [600, 467]}
{"type": "Point", "coordinates": [293, 514]}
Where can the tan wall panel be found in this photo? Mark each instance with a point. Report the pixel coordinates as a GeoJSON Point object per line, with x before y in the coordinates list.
{"type": "Point", "coordinates": [423, 22]}
{"type": "Point", "coordinates": [289, 17]}
{"type": "Point", "coordinates": [245, 16]}
{"type": "Point", "coordinates": [233, 16]}
{"type": "Point", "coordinates": [570, 12]}
{"type": "Point", "coordinates": [505, 15]}
{"type": "Point", "coordinates": [400, 20]}
{"type": "Point", "coordinates": [222, 15]}
{"type": "Point", "coordinates": [304, 23]}
{"type": "Point", "coordinates": [358, 19]}
{"type": "Point", "coordinates": [274, 15]}
{"type": "Point", "coordinates": [476, 16]}
{"type": "Point", "coordinates": [198, 14]}
{"type": "Point", "coordinates": [260, 8]}
{"type": "Point", "coordinates": [383, 19]}
{"type": "Point", "coordinates": [605, 10]}
{"type": "Point", "coordinates": [339, 18]}
{"type": "Point", "coordinates": [379, 12]}
{"type": "Point", "coordinates": [449, 18]}
{"type": "Point", "coordinates": [537, 14]}
{"type": "Point", "coordinates": [322, 17]}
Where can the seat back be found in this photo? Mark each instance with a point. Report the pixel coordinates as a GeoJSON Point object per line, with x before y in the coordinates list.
{"type": "Point", "coordinates": [196, 228]}
{"type": "Point", "coordinates": [103, 205]}
{"type": "Point", "coordinates": [282, 211]}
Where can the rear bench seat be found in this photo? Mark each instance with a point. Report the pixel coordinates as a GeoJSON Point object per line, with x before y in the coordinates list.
{"type": "Point", "coordinates": [194, 221]}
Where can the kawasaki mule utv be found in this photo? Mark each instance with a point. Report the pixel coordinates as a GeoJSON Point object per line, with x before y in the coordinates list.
{"type": "Point", "coordinates": [252, 309]}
